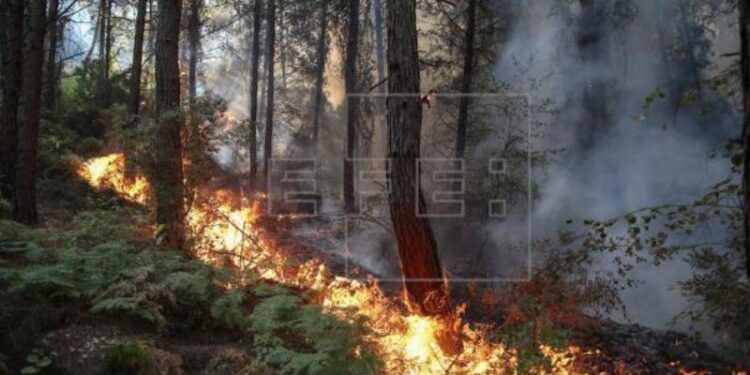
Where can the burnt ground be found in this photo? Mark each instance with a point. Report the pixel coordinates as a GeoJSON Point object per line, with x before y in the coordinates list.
{"type": "Point", "coordinates": [606, 346]}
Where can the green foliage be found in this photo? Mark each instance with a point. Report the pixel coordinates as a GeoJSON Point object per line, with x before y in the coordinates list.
{"type": "Point", "coordinates": [227, 310]}
{"type": "Point", "coordinates": [37, 362]}
{"type": "Point", "coordinates": [667, 233]}
{"type": "Point", "coordinates": [300, 338]}
{"type": "Point", "coordinates": [111, 276]}
{"type": "Point", "coordinates": [128, 358]}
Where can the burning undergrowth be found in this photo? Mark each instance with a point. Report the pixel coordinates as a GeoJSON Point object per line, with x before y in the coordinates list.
{"type": "Point", "coordinates": [226, 227]}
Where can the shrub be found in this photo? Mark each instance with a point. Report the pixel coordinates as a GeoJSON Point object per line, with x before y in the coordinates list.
{"type": "Point", "coordinates": [128, 358]}
{"type": "Point", "coordinates": [301, 338]}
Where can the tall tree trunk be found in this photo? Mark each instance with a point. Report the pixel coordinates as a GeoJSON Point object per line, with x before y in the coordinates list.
{"type": "Point", "coordinates": [136, 70]}
{"type": "Point", "coordinates": [379, 43]}
{"type": "Point", "coordinates": [194, 45]}
{"type": "Point", "coordinates": [591, 34]}
{"type": "Point", "coordinates": [12, 68]}
{"type": "Point", "coordinates": [744, 11]}
{"type": "Point", "coordinates": [167, 176]}
{"type": "Point", "coordinates": [668, 68]}
{"type": "Point", "coordinates": [352, 106]}
{"type": "Point", "coordinates": [270, 58]}
{"type": "Point", "coordinates": [282, 49]}
{"type": "Point", "coordinates": [320, 75]}
{"type": "Point", "coordinates": [105, 47]}
{"type": "Point", "coordinates": [94, 41]}
{"type": "Point", "coordinates": [417, 249]}
{"type": "Point", "coordinates": [25, 210]}
{"type": "Point", "coordinates": [136, 73]}
{"type": "Point", "coordinates": [467, 79]}
{"type": "Point", "coordinates": [50, 74]}
{"type": "Point", "coordinates": [254, 76]}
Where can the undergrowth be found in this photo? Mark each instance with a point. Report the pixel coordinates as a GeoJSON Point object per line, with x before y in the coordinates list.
{"type": "Point", "coordinates": [99, 264]}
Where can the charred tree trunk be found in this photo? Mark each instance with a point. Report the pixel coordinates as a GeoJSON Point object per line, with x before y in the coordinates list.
{"type": "Point", "coordinates": [744, 11]}
{"type": "Point", "coordinates": [254, 77]}
{"type": "Point", "coordinates": [25, 210]}
{"type": "Point", "coordinates": [12, 68]}
{"type": "Point", "coordinates": [270, 59]}
{"type": "Point", "coordinates": [50, 74]}
{"type": "Point", "coordinates": [352, 106]}
{"type": "Point", "coordinates": [467, 79]}
{"type": "Point", "coordinates": [194, 45]}
{"type": "Point", "coordinates": [320, 75]}
{"type": "Point", "coordinates": [420, 264]}
{"type": "Point", "coordinates": [167, 173]}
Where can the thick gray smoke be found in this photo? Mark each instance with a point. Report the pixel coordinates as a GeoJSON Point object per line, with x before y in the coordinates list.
{"type": "Point", "coordinates": [599, 62]}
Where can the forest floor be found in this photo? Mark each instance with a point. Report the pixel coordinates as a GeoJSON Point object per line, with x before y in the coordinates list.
{"type": "Point", "coordinates": [77, 339]}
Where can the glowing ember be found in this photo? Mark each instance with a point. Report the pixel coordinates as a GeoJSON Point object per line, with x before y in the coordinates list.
{"type": "Point", "coordinates": [222, 226]}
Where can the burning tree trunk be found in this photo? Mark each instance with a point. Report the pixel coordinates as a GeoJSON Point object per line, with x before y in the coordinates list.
{"type": "Point", "coordinates": [270, 59]}
{"type": "Point", "coordinates": [352, 107]}
{"type": "Point", "coordinates": [194, 40]}
{"type": "Point", "coordinates": [744, 11]}
{"type": "Point", "coordinates": [254, 76]}
{"type": "Point", "coordinates": [25, 209]}
{"type": "Point", "coordinates": [466, 80]}
{"type": "Point", "coordinates": [11, 42]}
{"type": "Point", "coordinates": [167, 173]}
{"type": "Point", "coordinates": [420, 264]}
{"type": "Point", "coordinates": [320, 74]}
{"type": "Point", "coordinates": [50, 74]}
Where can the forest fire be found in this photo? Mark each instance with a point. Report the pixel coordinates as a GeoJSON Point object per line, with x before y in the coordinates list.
{"type": "Point", "coordinates": [224, 226]}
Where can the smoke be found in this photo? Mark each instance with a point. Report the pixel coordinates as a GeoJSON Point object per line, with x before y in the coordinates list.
{"type": "Point", "coordinates": [600, 62]}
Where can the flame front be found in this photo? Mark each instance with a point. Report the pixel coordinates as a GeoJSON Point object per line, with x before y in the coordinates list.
{"type": "Point", "coordinates": [222, 225]}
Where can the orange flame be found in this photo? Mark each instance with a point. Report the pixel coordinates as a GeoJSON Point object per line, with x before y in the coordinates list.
{"type": "Point", "coordinates": [223, 226]}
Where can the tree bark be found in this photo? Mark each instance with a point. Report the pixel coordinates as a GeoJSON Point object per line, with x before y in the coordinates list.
{"type": "Point", "coordinates": [50, 74]}
{"type": "Point", "coordinates": [466, 80]}
{"type": "Point", "coordinates": [194, 45]}
{"type": "Point", "coordinates": [12, 68]}
{"type": "Point", "coordinates": [379, 43]}
{"type": "Point", "coordinates": [105, 48]}
{"type": "Point", "coordinates": [744, 15]}
{"type": "Point", "coordinates": [282, 50]}
{"type": "Point", "coordinates": [420, 264]}
{"type": "Point", "coordinates": [25, 210]}
{"type": "Point", "coordinates": [254, 77]}
{"type": "Point", "coordinates": [322, 53]}
{"type": "Point", "coordinates": [591, 34]}
{"type": "Point", "coordinates": [136, 73]}
{"type": "Point", "coordinates": [136, 70]}
{"type": "Point", "coordinates": [270, 59]}
{"type": "Point", "coordinates": [352, 107]}
{"type": "Point", "coordinates": [167, 174]}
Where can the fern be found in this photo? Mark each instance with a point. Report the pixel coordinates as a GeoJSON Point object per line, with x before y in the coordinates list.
{"type": "Point", "coordinates": [300, 338]}
{"type": "Point", "coordinates": [227, 309]}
